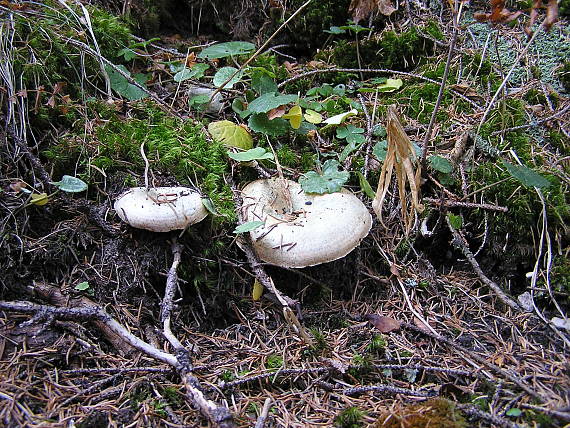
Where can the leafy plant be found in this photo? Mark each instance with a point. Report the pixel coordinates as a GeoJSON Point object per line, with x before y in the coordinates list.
{"type": "Point", "coordinates": [248, 226]}
{"type": "Point", "coordinates": [121, 85]}
{"type": "Point", "coordinates": [223, 50]}
{"type": "Point", "coordinates": [526, 175]}
{"type": "Point", "coordinates": [257, 153]}
{"type": "Point", "coordinates": [231, 134]}
{"type": "Point", "coordinates": [328, 181]}
{"type": "Point", "coordinates": [195, 72]}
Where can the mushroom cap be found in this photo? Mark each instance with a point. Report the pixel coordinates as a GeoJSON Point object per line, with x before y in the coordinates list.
{"type": "Point", "coordinates": [303, 229]}
{"type": "Point", "coordinates": [217, 103]}
{"type": "Point", "coordinates": [160, 209]}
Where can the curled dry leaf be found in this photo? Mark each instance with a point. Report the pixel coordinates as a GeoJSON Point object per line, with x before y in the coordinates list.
{"type": "Point", "coordinates": [384, 324]}
{"type": "Point", "coordinates": [499, 13]}
{"type": "Point", "coordinates": [362, 9]}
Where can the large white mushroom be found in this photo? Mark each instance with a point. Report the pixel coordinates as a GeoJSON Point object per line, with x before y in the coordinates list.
{"type": "Point", "coordinates": [160, 209]}
{"type": "Point", "coordinates": [303, 229]}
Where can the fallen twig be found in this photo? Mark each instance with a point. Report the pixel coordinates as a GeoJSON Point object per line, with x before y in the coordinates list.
{"type": "Point", "coordinates": [452, 204]}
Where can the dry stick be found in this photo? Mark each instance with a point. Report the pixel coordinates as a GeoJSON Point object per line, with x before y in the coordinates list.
{"type": "Point", "coordinates": [129, 79]}
{"type": "Point", "coordinates": [264, 413]}
{"type": "Point", "coordinates": [472, 411]}
{"type": "Point", "coordinates": [388, 389]}
{"type": "Point", "coordinates": [533, 124]}
{"type": "Point", "coordinates": [219, 416]}
{"type": "Point", "coordinates": [257, 52]}
{"type": "Point", "coordinates": [286, 302]}
{"type": "Point", "coordinates": [459, 242]}
{"type": "Point", "coordinates": [447, 203]}
{"type": "Point", "coordinates": [374, 70]}
{"type": "Point", "coordinates": [507, 77]}
{"type": "Point", "coordinates": [440, 93]}
{"type": "Point", "coordinates": [457, 347]}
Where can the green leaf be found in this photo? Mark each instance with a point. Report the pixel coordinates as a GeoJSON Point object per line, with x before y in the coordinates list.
{"type": "Point", "coordinates": [224, 74]}
{"type": "Point", "coordinates": [339, 118]}
{"type": "Point", "coordinates": [198, 100]}
{"type": "Point", "coordinates": [223, 50]}
{"type": "Point", "coordinates": [121, 85]}
{"type": "Point", "coordinates": [269, 101]}
{"type": "Point", "coordinates": [257, 153]}
{"type": "Point", "coordinates": [440, 164]}
{"type": "Point", "coordinates": [70, 184]}
{"type": "Point", "coordinates": [262, 83]}
{"type": "Point", "coordinates": [379, 131]}
{"type": "Point", "coordinates": [380, 149]}
{"type": "Point", "coordinates": [526, 175]}
{"type": "Point", "coordinates": [391, 85]}
{"type": "Point", "coordinates": [249, 226]}
{"type": "Point", "coordinates": [196, 72]}
{"type": "Point", "coordinates": [350, 147]}
{"type": "Point", "coordinates": [331, 180]}
{"type": "Point", "coordinates": [261, 123]}
{"type": "Point", "coordinates": [127, 54]}
{"type": "Point", "coordinates": [209, 205]}
{"type": "Point", "coordinates": [335, 30]}
{"type": "Point", "coordinates": [230, 134]}
{"type": "Point", "coordinates": [455, 220]}
{"type": "Point", "coordinates": [82, 286]}
{"type": "Point", "coordinates": [365, 185]}
{"type": "Point", "coordinates": [514, 412]}
{"type": "Point", "coordinates": [351, 133]}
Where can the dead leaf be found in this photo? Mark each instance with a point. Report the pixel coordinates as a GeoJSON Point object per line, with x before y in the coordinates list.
{"type": "Point", "coordinates": [290, 66]}
{"type": "Point", "coordinates": [276, 112]}
{"type": "Point", "coordinates": [466, 90]}
{"type": "Point", "coordinates": [499, 13]}
{"type": "Point", "coordinates": [383, 324]}
{"type": "Point", "coordinates": [362, 9]}
{"type": "Point", "coordinates": [191, 60]}
{"type": "Point", "coordinates": [421, 325]}
{"type": "Point", "coordinates": [551, 14]}
{"type": "Point", "coordinates": [17, 185]}
{"type": "Point", "coordinates": [337, 365]}
{"type": "Point", "coordinates": [394, 270]}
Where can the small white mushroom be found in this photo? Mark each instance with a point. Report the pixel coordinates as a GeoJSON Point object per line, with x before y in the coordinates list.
{"type": "Point", "coordinates": [217, 103]}
{"type": "Point", "coordinates": [303, 229]}
{"type": "Point", "coordinates": [160, 209]}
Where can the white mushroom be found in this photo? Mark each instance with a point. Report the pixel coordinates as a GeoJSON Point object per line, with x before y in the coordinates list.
{"type": "Point", "coordinates": [160, 209]}
{"type": "Point", "coordinates": [217, 103]}
{"type": "Point", "coordinates": [303, 229]}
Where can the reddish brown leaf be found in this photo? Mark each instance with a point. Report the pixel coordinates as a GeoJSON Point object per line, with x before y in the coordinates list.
{"type": "Point", "coordinates": [276, 112]}
{"type": "Point", "coordinates": [551, 14]}
{"type": "Point", "coordinates": [384, 324]}
{"type": "Point", "coordinates": [420, 324]}
{"type": "Point", "coordinates": [394, 270]}
{"type": "Point", "coordinates": [499, 13]}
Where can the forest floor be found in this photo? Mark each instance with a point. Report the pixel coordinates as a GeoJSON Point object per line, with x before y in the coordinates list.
{"type": "Point", "coordinates": [452, 311]}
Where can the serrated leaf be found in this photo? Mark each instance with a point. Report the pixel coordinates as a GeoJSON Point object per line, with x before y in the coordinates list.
{"type": "Point", "coordinates": [269, 101]}
{"type": "Point", "coordinates": [390, 85]}
{"type": "Point", "coordinates": [70, 184]}
{"type": "Point", "coordinates": [261, 123]}
{"type": "Point", "coordinates": [127, 54]}
{"type": "Point", "coordinates": [455, 220]}
{"type": "Point", "coordinates": [526, 175]}
{"type": "Point", "coordinates": [312, 116]}
{"type": "Point", "coordinates": [224, 74]}
{"type": "Point", "coordinates": [339, 118]}
{"type": "Point", "coordinates": [440, 164]}
{"type": "Point", "coordinates": [223, 50]}
{"type": "Point", "coordinates": [230, 134]}
{"type": "Point", "coordinates": [257, 153]}
{"type": "Point", "coordinates": [39, 199]}
{"type": "Point", "coordinates": [209, 205]}
{"type": "Point", "coordinates": [365, 185]}
{"type": "Point", "coordinates": [514, 412]}
{"type": "Point", "coordinates": [257, 291]}
{"type": "Point", "coordinates": [262, 83]}
{"type": "Point", "coordinates": [248, 226]}
{"type": "Point", "coordinates": [82, 286]}
{"type": "Point", "coordinates": [196, 72]}
{"type": "Point", "coordinates": [331, 180]}
{"type": "Point", "coordinates": [295, 116]}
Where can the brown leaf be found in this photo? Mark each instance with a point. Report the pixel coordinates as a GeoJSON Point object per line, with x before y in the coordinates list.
{"type": "Point", "coordinates": [191, 60]}
{"type": "Point", "coordinates": [51, 101]}
{"type": "Point", "coordinates": [394, 270]}
{"type": "Point", "coordinates": [362, 9]}
{"type": "Point", "coordinates": [58, 87]}
{"type": "Point", "coordinates": [17, 185]}
{"type": "Point", "coordinates": [384, 324]}
{"type": "Point", "coordinates": [499, 13]}
{"type": "Point", "coordinates": [290, 66]}
{"type": "Point", "coordinates": [551, 14]}
{"type": "Point", "coordinates": [276, 112]}
{"type": "Point", "coordinates": [420, 324]}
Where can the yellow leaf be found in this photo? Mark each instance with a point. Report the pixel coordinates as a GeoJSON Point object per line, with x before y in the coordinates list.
{"type": "Point", "coordinates": [295, 116]}
{"type": "Point", "coordinates": [312, 116]}
{"type": "Point", "coordinates": [257, 290]}
{"type": "Point", "coordinates": [39, 199]}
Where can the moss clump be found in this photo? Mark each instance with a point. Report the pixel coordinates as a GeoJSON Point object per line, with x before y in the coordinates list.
{"type": "Point", "coordinates": [174, 147]}
{"type": "Point", "coordinates": [350, 417]}
{"type": "Point", "coordinates": [389, 50]}
{"type": "Point", "coordinates": [564, 76]}
{"type": "Point", "coordinates": [436, 412]}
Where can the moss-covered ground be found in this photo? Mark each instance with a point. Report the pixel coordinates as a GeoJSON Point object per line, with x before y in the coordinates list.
{"type": "Point", "coordinates": [406, 331]}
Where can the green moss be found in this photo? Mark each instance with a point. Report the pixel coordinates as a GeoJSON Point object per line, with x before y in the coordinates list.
{"type": "Point", "coordinates": [389, 50]}
{"type": "Point", "coordinates": [377, 343]}
{"type": "Point", "coordinates": [351, 417]}
{"type": "Point", "coordinates": [564, 76]}
{"type": "Point", "coordinates": [436, 412]}
{"type": "Point", "coordinates": [274, 361]}
{"type": "Point", "coordinates": [174, 147]}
